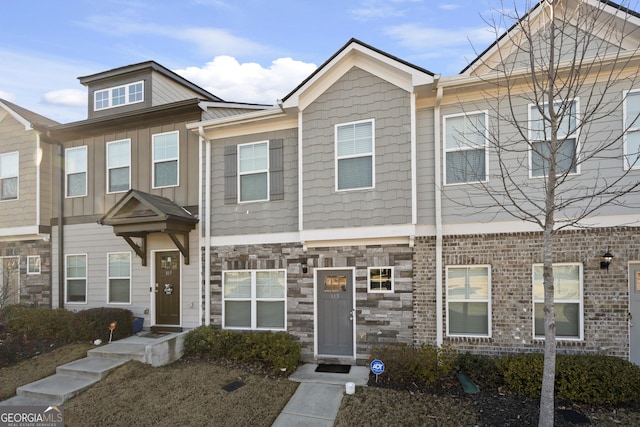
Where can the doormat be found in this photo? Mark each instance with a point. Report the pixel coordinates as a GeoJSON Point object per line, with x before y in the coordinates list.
{"type": "Point", "coordinates": [233, 386]}
{"type": "Point", "coordinates": [155, 334]}
{"type": "Point", "coordinates": [334, 369]}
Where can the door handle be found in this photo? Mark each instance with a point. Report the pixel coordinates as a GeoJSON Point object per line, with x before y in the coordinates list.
{"type": "Point", "coordinates": [351, 313]}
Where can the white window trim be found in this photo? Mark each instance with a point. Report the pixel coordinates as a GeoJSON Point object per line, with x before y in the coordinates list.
{"type": "Point", "coordinates": [627, 128]}
{"type": "Point", "coordinates": [66, 171]}
{"type": "Point", "coordinates": [445, 150]}
{"type": "Point", "coordinates": [120, 277]}
{"type": "Point", "coordinates": [17, 177]}
{"type": "Point", "coordinates": [154, 161]}
{"type": "Point", "coordinates": [575, 135]}
{"type": "Point", "coordinates": [38, 264]}
{"type": "Point", "coordinates": [240, 174]}
{"type": "Point", "coordinates": [108, 168]}
{"type": "Point", "coordinates": [254, 299]}
{"type": "Point", "coordinates": [86, 280]}
{"type": "Point", "coordinates": [580, 301]}
{"type": "Point", "coordinates": [488, 301]}
{"type": "Point", "coordinates": [372, 154]}
{"type": "Point", "coordinates": [109, 91]}
{"type": "Point", "coordinates": [381, 291]}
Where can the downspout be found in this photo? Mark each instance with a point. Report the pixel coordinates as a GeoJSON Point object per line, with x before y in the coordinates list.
{"type": "Point", "coordinates": [207, 225]}
{"type": "Point", "coordinates": [414, 167]}
{"type": "Point", "coordinates": [300, 180]}
{"type": "Point", "coordinates": [438, 210]}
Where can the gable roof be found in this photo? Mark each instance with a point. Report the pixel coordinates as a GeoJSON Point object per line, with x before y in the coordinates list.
{"type": "Point", "coordinates": [530, 14]}
{"type": "Point", "coordinates": [152, 65]}
{"type": "Point", "coordinates": [26, 117]}
{"type": "Point", "coordinates": [361, 52]}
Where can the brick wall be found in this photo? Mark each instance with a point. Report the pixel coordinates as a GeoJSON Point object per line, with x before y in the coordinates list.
{"type": "Point", "coordinates": [35, 289]}
{"type": "Point", "coordinates": [511, 257]}
{"type": "Point", "coordinates": [379, 317]}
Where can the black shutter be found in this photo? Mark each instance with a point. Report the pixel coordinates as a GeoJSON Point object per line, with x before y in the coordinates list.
{"type": "Point", "coordinates": [230, 174]}
{"type": "Point", "coordinates": [276, 169]}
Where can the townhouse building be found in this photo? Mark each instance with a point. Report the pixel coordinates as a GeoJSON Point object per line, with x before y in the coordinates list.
{"type": "Point", "coordinates": [359, 210]}
{"type": "Point", "coordinates": [25, 195]}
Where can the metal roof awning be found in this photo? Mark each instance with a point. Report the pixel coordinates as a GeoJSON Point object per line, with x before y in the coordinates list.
{"type": "Point", "coordinates": [138, 214]}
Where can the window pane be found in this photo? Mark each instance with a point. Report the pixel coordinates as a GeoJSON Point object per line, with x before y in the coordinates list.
{"type": "Point", "coordinates": [468, 318]}
{"type": "Point", "coordinates": [565, 156]}
{"type": "Point", "coordinates": [8, 188]}
{"type": "Point", "coordinates": [354, 139]}
{"type": "Point", "coordinates": [76, 290]}
{"type": "Point", "coordinates": [540, 129]}
{"type": "Point", "coordinates": [118, 96]}
{"type": "Point", "coordinates": [566, 280]}
{"type": "Point", "coordinates": [633, 149]}
{"type": "Point", "coordinates": [468, 283]}
{"type": "Point", "coordinates": [165, 146]}
{"type": "Point", "coordinates": [253, 187]}
{"type": "Point", "coordinates": [355, 173]}
{"type": "Point", "coordinates": [166, 174]}
{"type": "Point", "coordinates": [465, 166]}
{"type": "Point", "coordinates": [77, 184]}
{"type": "Point", "coordinates": [119, 265]}
{"type": "Point", "coordinates": [465, 131]}
{"type": "Point", "coordinates": [119, 179]}
{"type": "Point", "coordinates": [135, 92]}
{"type": "Point", "coordinates": [237, 284]}
{"type": "Point", "coordinates": [76, 266]}
{"type": "Point", "coordinates": [118, 154]}
{"type": "Point", "coordinates": [253, 157]}
{"type": "Point", "coordinates": [9, 165]}
{"type": "Point", "coordinates": [380, 279]}
{"type": "Point", "coordinates": [567, 319]}
{"type": "Point", "coordinates": [237, 314]}
{"type": "Point", "coordinates": [76, 160]}
{"type": "Point", "coordinates": [102, 99]}
{"type": "Point", "coordinates": [270, 284]}
{"type": "Point", "coordinates": [119, 290]}
{"type": "Point", "coordinates": [270, 314]}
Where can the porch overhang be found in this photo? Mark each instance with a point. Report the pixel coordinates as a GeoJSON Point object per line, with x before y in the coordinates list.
{"type": "Point", "coordinates": [138, 214]}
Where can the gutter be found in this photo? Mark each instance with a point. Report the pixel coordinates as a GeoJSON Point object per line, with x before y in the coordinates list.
{"type": "Point", "coordinates": [438, 209]}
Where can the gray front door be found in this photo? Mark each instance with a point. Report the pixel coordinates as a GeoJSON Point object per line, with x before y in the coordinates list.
{"type": "Point", "coordinates": [634, 313]}
{"type": "Point", "coordinates": [334, 291]}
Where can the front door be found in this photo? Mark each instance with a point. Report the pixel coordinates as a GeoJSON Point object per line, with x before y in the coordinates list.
{"type": "Point", "coordinates": [167, 288]}
{"type": "Point", "coordinates": [334, 291]}
{"type": "Point", "coordinates": [634, 313]}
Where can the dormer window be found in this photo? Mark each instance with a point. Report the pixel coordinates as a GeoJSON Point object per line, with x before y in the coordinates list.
{"type": "Point", "coordinates": [118, 96]}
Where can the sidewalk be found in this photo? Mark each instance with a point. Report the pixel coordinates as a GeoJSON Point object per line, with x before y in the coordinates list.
{"type": "Point", "coordinates": [317, 400]}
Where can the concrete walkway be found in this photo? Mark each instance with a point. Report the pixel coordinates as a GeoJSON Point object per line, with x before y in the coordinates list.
{"type": "Point", "coordinates": [317, 399]}
{"type": "Point", "coordinates": [73, 378]}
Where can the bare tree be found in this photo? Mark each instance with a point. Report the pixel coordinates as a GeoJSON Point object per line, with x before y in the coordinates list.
{"type": "Point", "coordinates": [9, 281]}
{"type": "Point", "coordinates": [567, 64]}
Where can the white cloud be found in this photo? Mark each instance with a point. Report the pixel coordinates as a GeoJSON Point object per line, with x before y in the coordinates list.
{"type": "Point", "coordinates": [418, 37]}
{"type": "Point", "coordinates": [374, 9]}
{"type": "Point", "coordinates": [249, 82]}
{"type": "Point", "coordinates": [68, 97]}
{"type": "Point", "coordinates": [449, 6]}
{"type": "Point", "coordinates": [7, 95]}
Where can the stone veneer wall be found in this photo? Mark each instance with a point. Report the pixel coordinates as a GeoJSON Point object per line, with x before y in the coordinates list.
{"type": "Point", "coordinates": [511, 256]}
{"type": "Point", "coordinates": [380, 317]}
{"type": "Point", "coordinates": [35, 289]}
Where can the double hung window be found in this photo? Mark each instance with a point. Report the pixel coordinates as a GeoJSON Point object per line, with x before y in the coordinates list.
{"type": "Point", "coordinates": [632, 130]}
{"type": "Point", "coordinates": [165, 159]}
{"type": "Point", "coordinates": [567, 301]}
{"type": "Point", "coordinates": [465, 148]}
{"type": "Point", "coordinates": [9, 176]}
{"type": "Point", "coordinates": [254, 299]}
{"type": "Point", "coordinates": [355, 155]}
{"type": "Point", "coordinates": [565, 153]}
{"type": "Point", "coordinates": [118, 166]}
{"type": "Point", "coordinates": [76, 171]}
{"type": "Point", "coordinates": [253, 167]}
{"type": "Point", "coordinates": [119, 272]}
{"type": "Point", "coordinates": [76, 278]}
{"type": "Point", "coordinates": [469, 301]}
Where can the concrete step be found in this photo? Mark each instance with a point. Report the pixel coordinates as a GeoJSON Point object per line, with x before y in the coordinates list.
{"type": "Point", "coordinates": [120, 351]}
{"type": "Point", "coordinates": [25, 401]}
{"type": "Point", "coordinates": [55, 389]}
{"type": "Point", "coordinates": [90, 367]}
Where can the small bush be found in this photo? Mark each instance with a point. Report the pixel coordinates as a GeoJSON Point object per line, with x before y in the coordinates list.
{"type": "Point", "coordinates": [407, 364]}
{"type": "Point", "coordinates": [522, 372]}
{"type": "Point", "coordinates": [94, 323]}
{"type": "Point", "coordinates": [273, 351]}
{"type": "Point", "coordinates": [482, 369]}
{"type": "Point", "coordinates": [43, 324]}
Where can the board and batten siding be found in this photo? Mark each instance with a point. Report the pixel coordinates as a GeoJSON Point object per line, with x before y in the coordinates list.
{"type": "Point", "coordinates": [276, 215]}
{"type": "Point", "coordinates": [97, 201]}
{"type": "Point", "coordinates": [357, 96]}
{"type": "Point", "coordinates": [103, 242]}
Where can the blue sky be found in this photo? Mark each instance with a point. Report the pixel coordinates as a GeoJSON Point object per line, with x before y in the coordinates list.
{"type": "Point", "coordinates": [240, 50]}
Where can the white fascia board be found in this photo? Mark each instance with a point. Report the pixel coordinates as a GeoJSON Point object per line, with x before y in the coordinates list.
{"type": "Point", "coordinates": [238, 118]}
{"type": "Point", "coordinates": [22, 233]}
{"type": "Point", "coordinates": [18, 117]}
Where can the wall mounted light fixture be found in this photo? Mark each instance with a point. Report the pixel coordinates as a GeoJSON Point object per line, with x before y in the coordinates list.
{"type": "Point", "coordinates": [606, 260]}
{"type": "Point", "coordinates": [303, 262]}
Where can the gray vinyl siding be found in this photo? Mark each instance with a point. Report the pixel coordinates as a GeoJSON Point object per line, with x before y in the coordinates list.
{"type": "Point", "coordinates": [278, 214]}
{"type": "Point", "coordinates": [19, 212]}
{"type": "Point", "coordinates": [97, 201]}
{"type": "Point", "coordinates": [356, 96]}
{"type": "Point", "coordinates": [425, 172]}
{"type": "Point", "coordinates": [165, 91]}
{"type": "Point", "coordinates": [103, 242]}
{"type": "Point", "coordinates": [594, 172]}
{"type": "Point", "coordinates": [220, 112]}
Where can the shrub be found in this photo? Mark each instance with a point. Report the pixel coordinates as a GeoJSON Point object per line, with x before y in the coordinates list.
{"type": "Point", "coordinates": [482, 369]}
{"type": "Point", "coordinates": [94, 323]}
{"type": "Point", "coordinates": [273, 351]}
{"type": "Point", "coordinates": [43, 324]}
{"type": "Point", "coordinates": [522, 372]}
{"type": "Point", "coordinates": [421, 364]}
